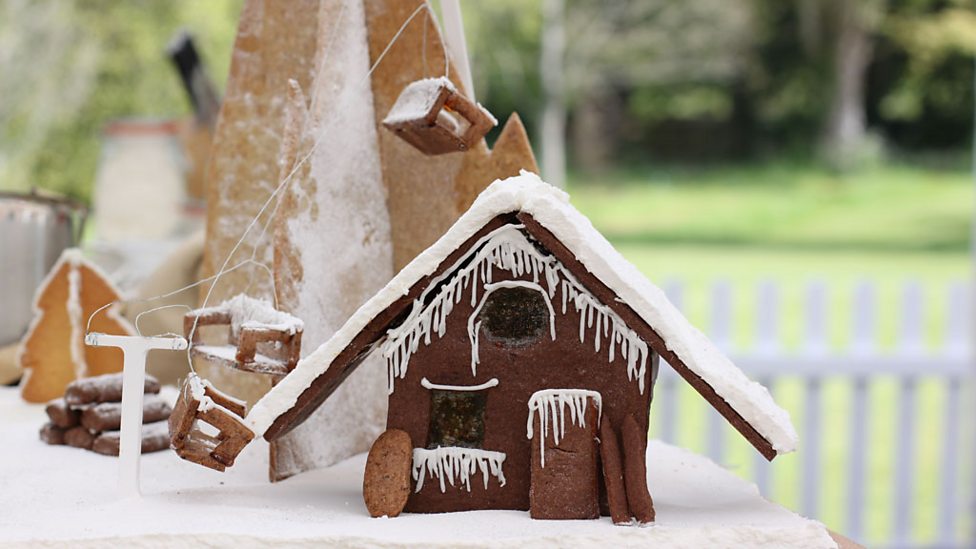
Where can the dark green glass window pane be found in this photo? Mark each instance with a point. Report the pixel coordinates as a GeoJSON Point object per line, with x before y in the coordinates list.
{"type": "Point", "coordinates": [515, 316]}
{"type": "Point", "coordinates": [457, 419]}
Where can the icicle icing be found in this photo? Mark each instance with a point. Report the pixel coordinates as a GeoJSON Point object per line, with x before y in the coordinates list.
{"type": "Point", "coordinates": [75, 317]}
{"type": "Point", "coordinates": [454, 464]}
{"type": "Point", "coordinates": [550, 405]}
{"type": "Point", "coordinates": [474, 327]}
{"type": "Point", "coordinates": [508, 249]}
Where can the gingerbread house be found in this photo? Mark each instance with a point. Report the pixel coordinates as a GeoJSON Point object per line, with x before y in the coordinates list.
{"type": "Point", "coordinates": [521, 352]}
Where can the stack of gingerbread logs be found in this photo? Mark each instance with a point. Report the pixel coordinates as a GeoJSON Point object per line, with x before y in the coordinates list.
{"type": "Point", "coordinates": [90, 414]}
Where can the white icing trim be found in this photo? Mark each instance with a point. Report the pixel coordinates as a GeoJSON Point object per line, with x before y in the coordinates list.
{"type": "Point", "coordinates": [416, 100]}
{"type": "Point", "coordinates": [240, 402]}
{"type": "Point", "coordinates": [553, 402]}
{"type": "Point", "coordinates": [454, 463]}
{"type": "Point", "coordinates": [77, 260]}
{"type": "Point", "coordinates": [73, 305]}
{"type": "Point", "coordinates": [426, 384]}
{"type": "Point", "coordinates": [249, 312]}
{"type": "Point", "coordinates": [404, 340]}
{"type": "Point", "coordinates": [197, 386]}
{"type": "Point", "coordinates": [198, 390]}
{"type": "Point", "coordinates": [509, 249]}
{"type": "Point", "coordinates": [73, 258]}
{"type": "Point", "coordinates": [474, 329]}
{"type": "Point", "coordinates": [633, 348]}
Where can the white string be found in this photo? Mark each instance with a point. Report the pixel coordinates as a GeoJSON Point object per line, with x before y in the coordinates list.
{"type": "Point", "coordinates": [396, 37]}
{"type": "Point", "coordinates": [153, 310]}
{"type": "Point", "coordinates": [224, 269]}
{"type": "Point", "coordinates": [447, 63]}
{"type": "Point", "coordinates": [271, 277]}
{"type": "Point", "coordinates": [423, 48]}
{"type": "Point", "coordinates": [294, 170]}
{"type": "Point", "coordinates": [166, 295]}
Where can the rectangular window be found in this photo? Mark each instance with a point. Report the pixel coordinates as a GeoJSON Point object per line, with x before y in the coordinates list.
{"type": "Point", "coordinates": [457, 418]}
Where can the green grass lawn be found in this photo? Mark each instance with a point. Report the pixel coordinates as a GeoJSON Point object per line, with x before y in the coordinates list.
{"type": "Point", "coordinates": [792, 224]}
{"type": "Point", "coordinates": [792, 206]}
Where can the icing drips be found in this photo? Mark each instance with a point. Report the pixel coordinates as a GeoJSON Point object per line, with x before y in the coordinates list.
{"type": "Point", "coordinates": [508, 249]}
{"type": "Point", "coordinates": [550, 405]}
{"type": "Point", "coordinates": [453, 464]}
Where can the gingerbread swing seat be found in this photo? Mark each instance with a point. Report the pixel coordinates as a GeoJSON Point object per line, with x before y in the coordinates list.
{"type": "Point", "coordinates": [434, 117]}
{"type": "Point", "coordinates": [260, 338]}
{"type": "Point", "coordinates": [200, 402]}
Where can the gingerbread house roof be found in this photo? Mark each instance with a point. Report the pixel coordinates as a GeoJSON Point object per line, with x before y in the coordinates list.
{"type": "Point", "coordinates": [546, 214]}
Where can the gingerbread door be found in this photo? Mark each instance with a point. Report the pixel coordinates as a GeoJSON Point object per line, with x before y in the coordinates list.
{"type": "Point", "coordinates": [563, 426]}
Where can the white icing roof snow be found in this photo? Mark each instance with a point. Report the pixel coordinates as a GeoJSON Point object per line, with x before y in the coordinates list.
{"type": "Point", "coordinates": [417, 99]}
{"type": "Point", "coordinates": [551, 208]}
{"type": "Point", "coordinates": [249, 312]}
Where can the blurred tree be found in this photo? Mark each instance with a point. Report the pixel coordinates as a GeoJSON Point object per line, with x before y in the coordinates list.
{"type": "Point", "coordinates": [628, 64]}
{"type": "Point", "coordinates": [924, 73]}
{"type": "Point", "coordinates": [48, 65]}
{"type": "Point", "coordinates": [698, 78]}
{"type": "Point", "coordinates": [633, 62]}
{"type": "Point", "coordinates": [74, 66]}
{"type": "Point", "coordinates": [685, 79]}
{"type": "Point", "coordinates": [504, 41]}
{"type": "Point", "coordinates": [842, 74]}
{"type": "Point", "coordinates": [810, 77]}
{"type": "Point", "coordinates": [845, 138]}
{"type": "Point", "coordinates": [929, 38]}
{"type": "Point", "coordinates": [552, 70]}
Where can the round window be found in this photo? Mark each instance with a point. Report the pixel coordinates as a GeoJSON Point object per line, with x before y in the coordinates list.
{"type": "Point", "coordinates": [514, 316]}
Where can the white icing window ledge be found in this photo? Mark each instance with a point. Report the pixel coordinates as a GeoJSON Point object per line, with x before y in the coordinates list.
{"type": "Point", "coordinates": [425, 383]}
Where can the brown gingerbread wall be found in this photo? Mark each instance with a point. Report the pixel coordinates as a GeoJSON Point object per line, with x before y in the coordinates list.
{"type": "Point", "coordinates": [565, 363]}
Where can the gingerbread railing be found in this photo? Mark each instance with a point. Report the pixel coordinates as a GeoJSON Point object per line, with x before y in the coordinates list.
{"type": "Point", "coordinates": [253, 346]}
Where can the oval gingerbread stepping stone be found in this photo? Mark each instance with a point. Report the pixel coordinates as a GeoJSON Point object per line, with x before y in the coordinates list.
{"type": "Point", "coordinates": [386, 481]}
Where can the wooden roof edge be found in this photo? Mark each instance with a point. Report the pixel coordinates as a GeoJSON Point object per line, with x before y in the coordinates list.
{"type": "Point", "coordinates": [629, 316]}
{"type": "Point", "coordinates": [362, 344]}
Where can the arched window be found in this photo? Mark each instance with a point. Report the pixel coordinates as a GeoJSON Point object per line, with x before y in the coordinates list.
{"type": "Point", "coordinates": [515, 315]}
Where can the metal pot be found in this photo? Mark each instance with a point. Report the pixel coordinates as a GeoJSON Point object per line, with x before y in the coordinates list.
{"type": "Point", "coordinates": [34, 230]}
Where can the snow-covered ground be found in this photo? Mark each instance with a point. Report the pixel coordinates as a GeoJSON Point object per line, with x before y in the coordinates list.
{"type": "Point", "coordinates": [58, 495]}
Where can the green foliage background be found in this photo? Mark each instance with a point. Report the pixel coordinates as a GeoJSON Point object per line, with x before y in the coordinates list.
{"type": "Point", "coordinates": [78, 65]}
{"type": "Point", "coordinates": [690, 81]}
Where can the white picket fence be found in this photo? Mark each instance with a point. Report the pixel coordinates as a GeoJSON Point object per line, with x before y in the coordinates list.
{"type": "Point", "coordinates": [861, 364]}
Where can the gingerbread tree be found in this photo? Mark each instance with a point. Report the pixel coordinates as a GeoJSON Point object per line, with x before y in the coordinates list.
{"type": "Point", "coordinates": [53, 353]}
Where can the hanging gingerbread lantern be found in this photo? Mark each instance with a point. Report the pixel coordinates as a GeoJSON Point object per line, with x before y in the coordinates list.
{"type": "Point", "coordinates": [435, 118]}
